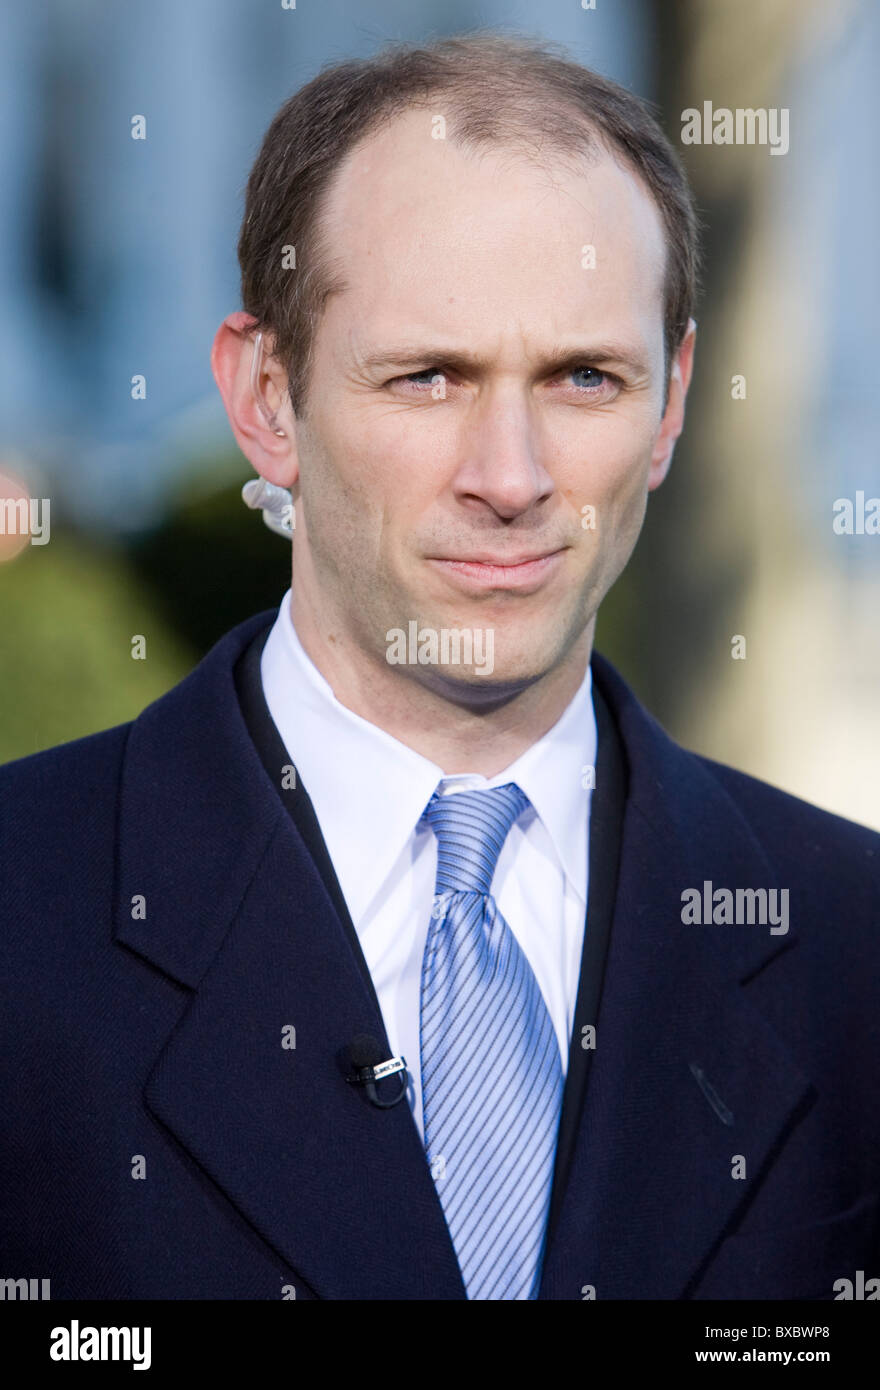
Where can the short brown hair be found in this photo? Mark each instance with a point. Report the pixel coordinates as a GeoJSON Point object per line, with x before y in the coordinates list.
{"type": "Point", "coordinates": [499, 90]}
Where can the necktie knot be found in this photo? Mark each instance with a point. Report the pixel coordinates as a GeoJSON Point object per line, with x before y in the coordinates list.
{"type": "Point", "coordinates": [471, 828]}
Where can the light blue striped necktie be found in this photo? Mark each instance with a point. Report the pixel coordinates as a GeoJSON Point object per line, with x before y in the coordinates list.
{"type": "Point", "coordinates": [490, 1066]}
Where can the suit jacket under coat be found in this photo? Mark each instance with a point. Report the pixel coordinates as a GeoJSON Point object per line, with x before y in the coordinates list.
{"type": "Point", "coordinates": [159, 1142]}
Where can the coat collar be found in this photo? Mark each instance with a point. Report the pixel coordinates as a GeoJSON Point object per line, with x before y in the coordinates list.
{"type": "Point", "coordinates": [236, 913]}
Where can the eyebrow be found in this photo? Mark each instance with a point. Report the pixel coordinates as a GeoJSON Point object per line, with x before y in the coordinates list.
{"type": "Point", "coordinates": [411, 356]}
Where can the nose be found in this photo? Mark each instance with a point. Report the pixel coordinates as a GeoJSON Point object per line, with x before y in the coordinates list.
{"type": "Point", "coordinates": [500, 457]}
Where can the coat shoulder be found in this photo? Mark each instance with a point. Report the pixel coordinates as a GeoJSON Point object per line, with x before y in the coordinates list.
{"type": "Point", "coordinates": [798, 834]}
{"type": "Point", "coordinates": [61, 791]}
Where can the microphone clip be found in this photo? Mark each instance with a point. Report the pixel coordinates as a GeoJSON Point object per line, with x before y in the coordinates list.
{"type": "Point", "coordinates": [368, 1076]}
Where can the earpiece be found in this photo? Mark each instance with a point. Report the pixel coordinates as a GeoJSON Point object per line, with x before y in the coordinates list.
{"type": "Point", "coordinates": [269, 416]}
{"type": "Point", "coordinates": [276, 504]}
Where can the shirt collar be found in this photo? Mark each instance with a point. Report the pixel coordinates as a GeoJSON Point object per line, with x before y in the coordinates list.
{"type": "Point", "coordinates": [369, 795]}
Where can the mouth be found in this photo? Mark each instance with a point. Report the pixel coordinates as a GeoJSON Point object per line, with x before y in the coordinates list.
{"type": "Point", "coordinates": [484, 571]}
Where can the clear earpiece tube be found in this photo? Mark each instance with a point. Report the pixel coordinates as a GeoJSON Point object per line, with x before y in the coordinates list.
{"type": "Point", "coordinates": [276, 503]}
{"type": "Point", "coordinates": [269, 416]}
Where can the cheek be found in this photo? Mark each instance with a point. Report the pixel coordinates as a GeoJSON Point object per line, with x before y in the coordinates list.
{"type": "Point", "coordinates": [378, 457]}
{"type": "Point", "coordinates": [340, 480]}
{"type": "Point", "coordinates": [608, 473]}
{"type": "Point", "coordinates": [363, 495]}
{"type": "Point", "coordinates": [625, 508]}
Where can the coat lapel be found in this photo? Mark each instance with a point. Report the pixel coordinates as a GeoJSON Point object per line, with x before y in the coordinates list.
{"type": "Point", "coordinates": [236, 912]}
{"type": "Point", "coordinates": [686, 1073]}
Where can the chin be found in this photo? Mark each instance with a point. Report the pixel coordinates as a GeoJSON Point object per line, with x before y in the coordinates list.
{"type": "Point", "coordinates": [475, 690]}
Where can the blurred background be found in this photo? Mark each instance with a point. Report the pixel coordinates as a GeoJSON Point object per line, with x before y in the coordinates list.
{"type": "Point", "coordinates": [117, 259]}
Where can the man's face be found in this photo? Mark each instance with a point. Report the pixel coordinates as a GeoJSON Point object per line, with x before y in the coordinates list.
{"type": "Point", "coordinates": [485, 405]}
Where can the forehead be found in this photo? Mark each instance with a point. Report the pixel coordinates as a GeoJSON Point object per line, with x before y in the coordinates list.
{"type": "Point", "coordinates": [428, 231]}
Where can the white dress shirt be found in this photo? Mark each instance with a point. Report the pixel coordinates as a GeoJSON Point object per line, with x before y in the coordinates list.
{"type": "Point", "coordinates": [369, 791]}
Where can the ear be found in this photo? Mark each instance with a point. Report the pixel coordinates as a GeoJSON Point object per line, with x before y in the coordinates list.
{"type": "Point", "coordinates": [273, 455]}
{"type": "Point", "coordinates": [673, 417]}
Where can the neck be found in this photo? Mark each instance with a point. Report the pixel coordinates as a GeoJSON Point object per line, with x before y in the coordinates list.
{"type": "Point", "coordinates": [458, 737]}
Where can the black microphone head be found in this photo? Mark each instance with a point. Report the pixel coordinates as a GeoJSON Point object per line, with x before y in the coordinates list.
{"type": "Point", "coordinates": [364, 1051]}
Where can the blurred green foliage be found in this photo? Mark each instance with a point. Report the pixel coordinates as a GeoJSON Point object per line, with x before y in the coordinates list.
{"type": "Point", "coordinates": [212, 564]}
{"type": "Point", "coordinates": [69, 612]}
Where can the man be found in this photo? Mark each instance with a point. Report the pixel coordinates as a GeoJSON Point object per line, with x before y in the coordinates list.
{"type": "Point", "coordinates": [413, 816]}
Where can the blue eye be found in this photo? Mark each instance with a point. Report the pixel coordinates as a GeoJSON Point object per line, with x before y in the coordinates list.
{"type": "Point", "coordinates": [598, 377]}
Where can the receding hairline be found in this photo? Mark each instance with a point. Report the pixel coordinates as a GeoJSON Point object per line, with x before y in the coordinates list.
{"type": "Point", "coordinates": [595, 145]}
